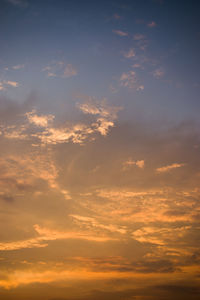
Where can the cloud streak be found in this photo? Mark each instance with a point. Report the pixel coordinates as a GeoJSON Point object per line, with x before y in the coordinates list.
{"type": "Point", "coordinates": [169, 167]}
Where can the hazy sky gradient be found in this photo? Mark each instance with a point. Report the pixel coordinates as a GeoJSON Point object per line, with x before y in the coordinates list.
{"type": "Point", "coordinates": [99, 137]}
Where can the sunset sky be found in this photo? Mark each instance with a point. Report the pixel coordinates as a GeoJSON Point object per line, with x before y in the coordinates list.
{"type": "Point", "coordinates": [100, 150]}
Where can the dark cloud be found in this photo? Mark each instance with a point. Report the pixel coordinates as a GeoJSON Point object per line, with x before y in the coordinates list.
{"type": "Point", "coordinates": [7, 198]}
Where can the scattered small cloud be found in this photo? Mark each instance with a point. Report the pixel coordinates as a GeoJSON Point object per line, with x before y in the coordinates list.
{"type": "Point", "coordinates": [169, 168]}
{"type": "Point", "coordinates": [141, 41]}
{"type": "Point", "coordinates": [130, 80]}
{"type": "Point", "coordinates": [117, 17]}
{"type": "Point", "coordinates": [42, 120]}
{"type": "Point", "coordinates": [129, 163]}
{"type": "Point", "coordinates": [137, 66]}
{"type": "Point", "coordinates": [18, 67]}
{"type": "Point", "coordinates": [105, 114]}
{"type": "Point", "coordinates": [69, 71]}
{"type": "Point", "coordinates": [138, 37]}
{"type": "Point", "coordinates": [50, 74]}
{"type": "Point", "coordinates": [158, 73]}
{"type": "Point", "coordinates": [113, 89]}
{"type": "Point", "coordinates": [60, 69]}
{"type": "Point", "coordinates": [129, 54]}
{"type": "Point", "coordinates": [8, 83]}
{"type": "Point", "coordinates": [152, 24]}
{"type": "Point", "coordinates": [120, 32]}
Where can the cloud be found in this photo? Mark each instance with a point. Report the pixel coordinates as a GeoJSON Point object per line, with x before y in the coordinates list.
{"type": "Point", "coordinates": [93, 223]}
{"type": "Point", "coordinates": [129, 163]}
{"type": "Point", "coordinates": [46, 234]}
{"type": "Point", "coordinates": [8, 83]}
{"type": "Point", "coordinates": [129, 79]}
{"type": "Point", "coordinates": [137, 66]}
{"type": "Point", "coordinates": [138, 37]}
{"type": "Point", "coordinates": [42, 120]}
{"type": "Point", "coordinates": [11, 83]}
{"type": "Point", "coordinates": [129, 54]}
{"type": "Point", "coordinates": [152, 24]}
{"type": "Point", "coordinates": [117, 17]}
{"type": "Point", "coordinates": [106, 115]}
{"type": "Point", "coordinates": [141, 41]}
{"type": "Point", "coordinates": [120, 33]}
{"type": "Point", "coordinates": [104, 118]}
{"type": "Point", "coordinates": [160, 236]}
{"type": "Point", "coordinates": [60, 69]}
{"type": "Point", "coordinates": [6, 197]}
{"type": "Point", "coordinates": [50, 74]}
{"type": "Point", "coordinates": [158, 73]}
{"type": "Point", "coordinates": [69, 71]}
{"type": "Point", "coordinates": [18, 67]}
{"type": "Point", "coordinates": [169, 167]}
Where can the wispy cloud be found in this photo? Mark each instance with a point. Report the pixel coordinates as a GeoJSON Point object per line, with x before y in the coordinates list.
{"type": "Point", "coordinates": [69, 71]}
{"type": "Point", "coordinates": [93, 223]}
{"type": "Point", "coordinates": [152, 24]}
{"type": "Point", "coordinates": [117, 17]}
{"type": "Point", "coordinates": [141, 41]}
{"type": "Point", "coordinates": [138, 37]}
{"type": "Point", "coordinates": [120, 32]}
{"type": "Point", "coordinates": [129, 163]}
{"type": "Point", "coordinates": [129, 54]}
{"type": "Point", "coordinates": [169, 168]}
{"type": "Point", "coordinates": [18, 67]}
{"type": "Point", "coordinates": [60, 69]}
{"type": "Point", "coordinates": [158, 73]}
{"type": "Point", "coordinates": [8, 83]}
{"type": "Point", "coordinates": [46, 234]}
{"type": "Point", "coordinates": [160, 236]}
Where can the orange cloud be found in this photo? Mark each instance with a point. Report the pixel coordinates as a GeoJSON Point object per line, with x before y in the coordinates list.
{"type": "Point", "coordinates": [169, 167]}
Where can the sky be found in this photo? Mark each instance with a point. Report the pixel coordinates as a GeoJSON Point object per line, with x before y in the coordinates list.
{"type": "Point", "coordinates": [100, 150]}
